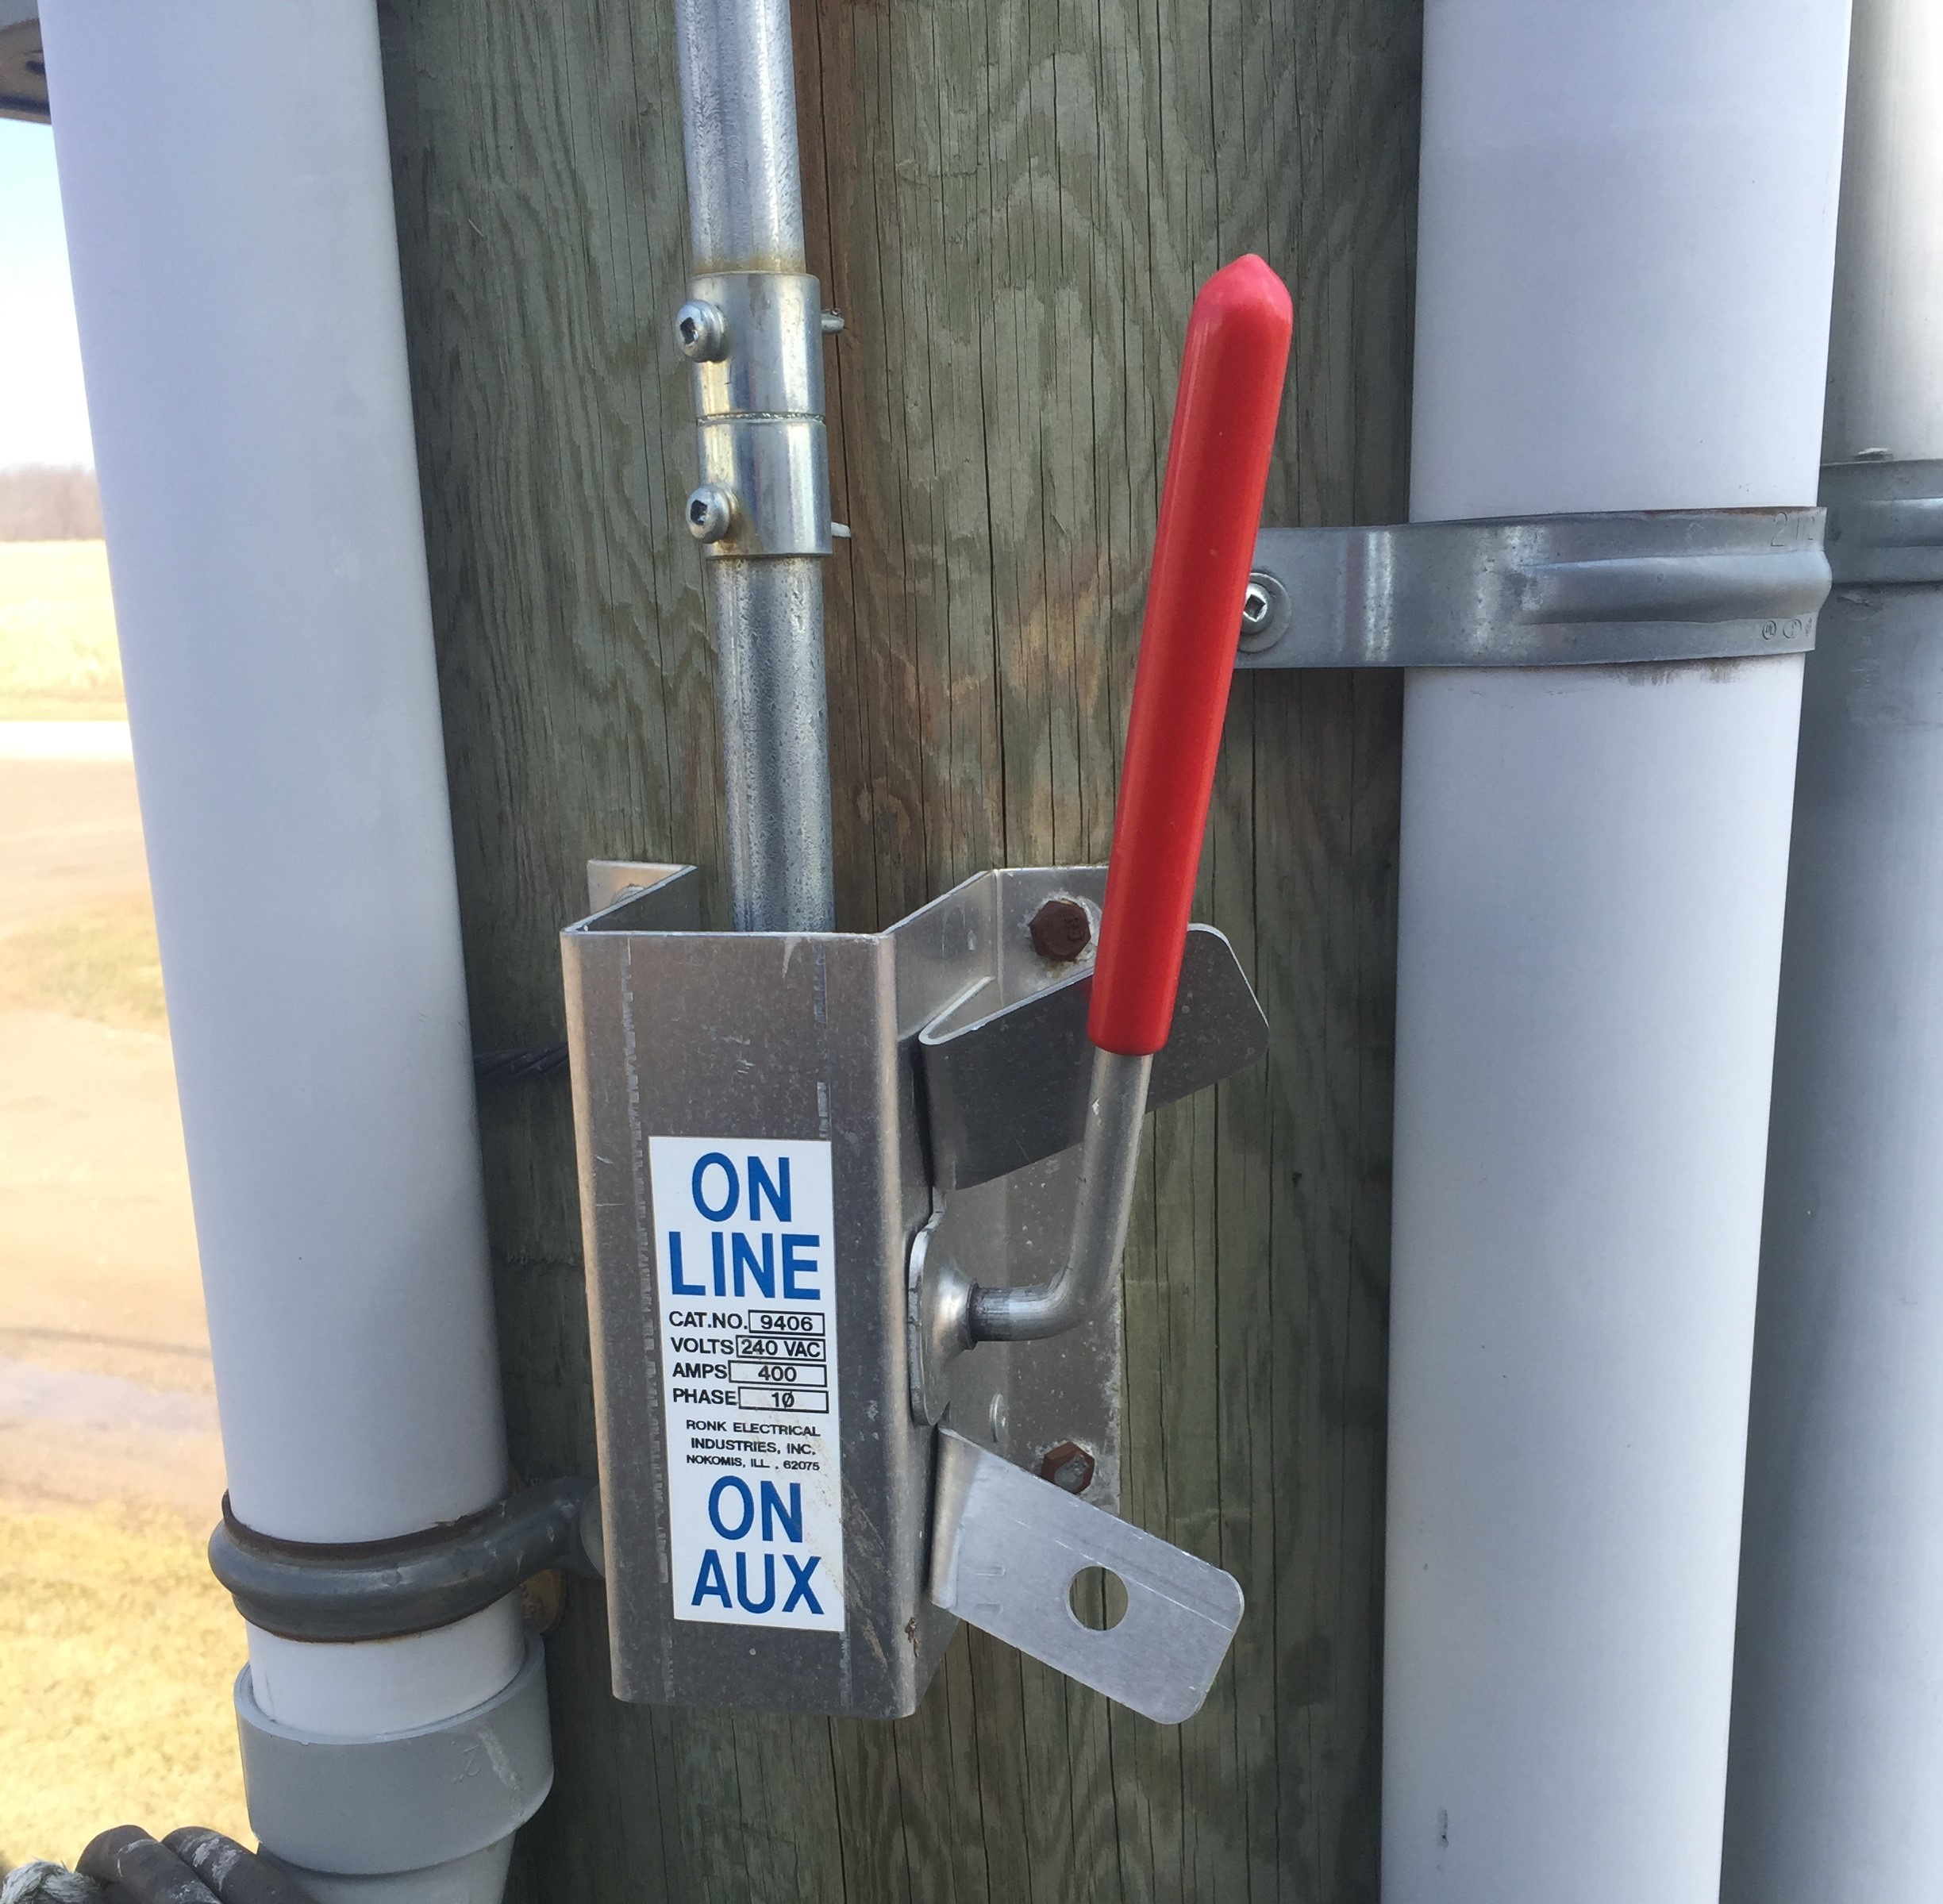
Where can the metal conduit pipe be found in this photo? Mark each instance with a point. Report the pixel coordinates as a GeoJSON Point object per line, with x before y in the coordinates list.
{"type": "Point", "coordinates": [227, 187]}
{"type": "Point", "coordinates": [753, 329]}
{"type": "Point", "coordinates": [1837, 1758]}
{"type": "Point", "coordinates": [1627, 237]}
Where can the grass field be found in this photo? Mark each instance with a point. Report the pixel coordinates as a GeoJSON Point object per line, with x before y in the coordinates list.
{"type": "Point", "coordinates": [58, 656]}
{"type": "Point", "coordinates": [102, 964]}
{"type": "Point", "coordinates": [117, 1650]}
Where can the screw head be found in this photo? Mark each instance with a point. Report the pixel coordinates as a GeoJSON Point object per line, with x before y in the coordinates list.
{"type": "Point", "coordinates": [1265, 609]}
{"type": "Point", "coordinates": [710, 513]}
{"type": "Point", "coordinates": [997, 1417]}
{"type": "Point", "coordinates": [701, 331]}
{"type": "Point", "coordinates": [1061, 930]}
{"type": "Point", "coordinates": [1069, 1466]}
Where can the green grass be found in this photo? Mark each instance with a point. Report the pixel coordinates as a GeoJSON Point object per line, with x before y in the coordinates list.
{"type": "Point", "coordinates": [102, 963]}
{"type": "Point", "coordinates": [117, 1652]}
{"type": "Point", "coordinates": [59, 660]}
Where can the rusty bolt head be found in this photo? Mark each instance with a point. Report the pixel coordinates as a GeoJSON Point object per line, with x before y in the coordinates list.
{"type": "Point", "coordinates": [543, 1599]}
{"type": "Point", "coordinates": [1061, 930]}
{"type": "Point", "coordinates": [1068, 1465]}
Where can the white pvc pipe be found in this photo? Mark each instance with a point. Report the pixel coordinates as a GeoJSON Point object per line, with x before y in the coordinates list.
{"type": "Point", "coordinates": [1885, 390]}
{"type": "Point", "coordinates": [1626, 232]}
{"type": "Point", "coordinates": [1836, 1789]}
{"type": "Point", "coordinates": [226, 180]}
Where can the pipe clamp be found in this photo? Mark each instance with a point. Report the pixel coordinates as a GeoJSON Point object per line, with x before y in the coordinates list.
{"type": "Point", "coordinates": [380, 1590]}
{"type": "Point", "coordinates": [1885, 520]}
{"type": "Point", "coordinates": [1554, 591]}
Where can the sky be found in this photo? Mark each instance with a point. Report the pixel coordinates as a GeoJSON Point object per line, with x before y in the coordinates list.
{"type": "Point", "coordinates": [43, 410]}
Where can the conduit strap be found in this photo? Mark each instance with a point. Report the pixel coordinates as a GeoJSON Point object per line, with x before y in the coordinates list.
{"type": "Point", "coordinates": [358, 1807]}
{"type": "Point", "coordinates": [1885, 520]}
{"type": "Point", "coordinates": [1553, 591]}
{"type": "Point", "coordinates": [380, 1590]}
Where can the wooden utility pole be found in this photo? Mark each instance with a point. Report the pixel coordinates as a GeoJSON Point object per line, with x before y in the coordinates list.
{"type": "Point", "coordinates": [1012, 203]}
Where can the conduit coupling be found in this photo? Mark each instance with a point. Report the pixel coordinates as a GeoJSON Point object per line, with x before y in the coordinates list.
{"type": "Point", "coordinates": [402, 1801]}
{"type": "Point", "coordinates": [755, 341]}
{"type": "Point", "coordinates": [405, 1801]}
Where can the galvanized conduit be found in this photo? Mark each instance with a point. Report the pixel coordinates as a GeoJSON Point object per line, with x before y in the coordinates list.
{"type": "Point", "coordinates": [753, 331]}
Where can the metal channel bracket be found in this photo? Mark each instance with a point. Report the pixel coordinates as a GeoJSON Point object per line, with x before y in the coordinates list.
{"type": "Point", "coordinates": [1005, 1549]}
{"type": "Point", "coordinates": [1005, 1084]}
{"type": "Point", "coordinates": [1677, 585]}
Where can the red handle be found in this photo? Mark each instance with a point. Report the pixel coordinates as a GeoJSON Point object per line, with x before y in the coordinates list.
{"type": "Point", "coordinates": [1210, 506]}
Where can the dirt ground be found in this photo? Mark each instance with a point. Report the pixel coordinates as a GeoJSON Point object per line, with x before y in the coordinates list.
{"type": "Point", "coordinates": [116, 1647]}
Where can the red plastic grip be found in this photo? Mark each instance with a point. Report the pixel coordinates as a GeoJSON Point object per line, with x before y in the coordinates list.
{"type": "Point", "coordinates": [1210, 507]}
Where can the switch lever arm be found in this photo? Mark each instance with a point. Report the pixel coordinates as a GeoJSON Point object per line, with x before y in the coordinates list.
{"type": "Point", "coordinates": [1218, 450]}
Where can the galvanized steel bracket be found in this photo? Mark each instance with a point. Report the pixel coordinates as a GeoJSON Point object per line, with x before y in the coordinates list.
{"type": "Point", "coordinates": [1555, 591]}
{"type": "Point", "coordinates": [1004, 1072]}
{"type": "Point", "coordinates": [1005, 1081]}
{"type": "Point", "coordinates": [1005, 1549]}
{"type": "Point", "coordinates": [925, 1085]}
{"type": "Point", "coordinates": [1885, 521]}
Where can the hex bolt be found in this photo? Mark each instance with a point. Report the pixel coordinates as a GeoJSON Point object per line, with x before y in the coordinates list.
{"type": "Point", "coordinates": [711, 514]}
{"type": "Point", "coordinates": [1061, 930]}
{"type": "Point", "coordinates": [701, 331]}
{"type": "Point", "coordinates": [1068, 1465]}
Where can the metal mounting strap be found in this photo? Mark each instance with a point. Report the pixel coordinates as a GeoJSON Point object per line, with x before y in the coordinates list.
{"type": "Point", "coordinates": [379, 1590]}
{"type": "Point", "coordinates": [1687, 585]}
{"type": "Point", "coordinates": [1006, 1549]}
{"type": "Point", "coordinates": [1885, 520]}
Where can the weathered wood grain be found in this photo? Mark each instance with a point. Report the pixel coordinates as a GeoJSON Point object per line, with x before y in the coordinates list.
{"type": "Point", "coordinates": [1012, 201]}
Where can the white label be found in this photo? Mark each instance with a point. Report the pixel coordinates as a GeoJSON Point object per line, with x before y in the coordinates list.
{"type": "Point", "coordinates": [744, 1253]}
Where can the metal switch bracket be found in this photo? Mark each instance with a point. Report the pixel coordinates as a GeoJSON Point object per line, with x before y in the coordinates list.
{"type": "Point", "coordinates": [897, 1054]}
{"type": "Point", "coordinates": [1006, 1080]}
{"type": "Point", "coordinates": [1005, 1549]}
{"type": "Point", "coordinates": [1555, 591]}
{"type": "Point", "coordinates": [1005, 1084]}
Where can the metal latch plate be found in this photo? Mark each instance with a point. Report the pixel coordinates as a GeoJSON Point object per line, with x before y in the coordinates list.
{"type": "Point", "coordinates": [1005, 1550]}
